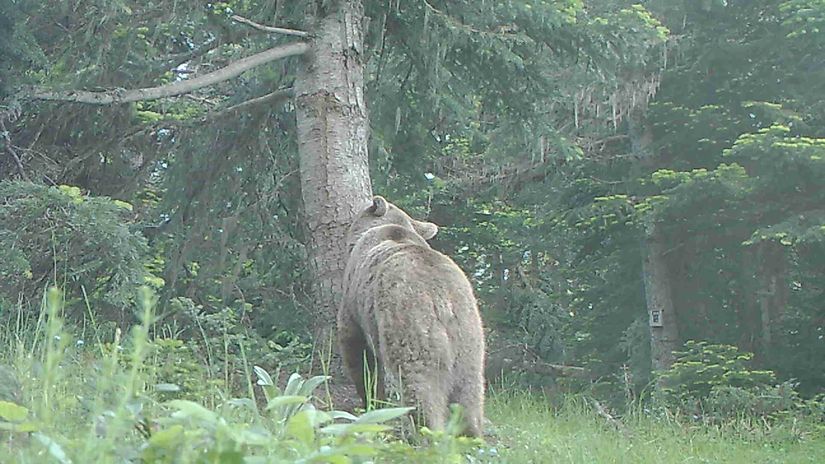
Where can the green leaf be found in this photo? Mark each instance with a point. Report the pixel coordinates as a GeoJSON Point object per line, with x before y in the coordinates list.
{"type": "Point", "coordinates": [346, 429]}
{"type": "Point", "coordinates": [167, 387]}
{"type": "Point", "coordinates": [299, 427]}
{"type": "Point", "coordinates": [285, 401]}
{"type": "Point", "coordinates": [359, 449]}
{"type": "Point", "coordinates": [382, 415]}
{"type": "Point", "coordinates": [256, 437]}
{"type": "Point", "coordinates": [167, 438]}
{"type": "Point", "coordinates": [19, 427]}
{"type": "Point", "coordinates": [225, 457]}
{"type": "Point", "coordinates": [263, 376]}
{"type": "Point", "coordinates": [245, 403]}
{"type": "Point", "coordinates": [343, 415]}
{"type": "Point", "coordinates": [72, 192]}
{"type": "Point", "coordinates": [54, 448]}
{"type": "Point", "coordinates": [310, 385]}
{"type": "Point", "coordinates": [122, 204]}
{"type": "Point", "coordinates": [337, 458]}
{"type": "Point", "coordinates": [293, 385]}
{"type": "Point", "coordinates": [271, 390]}
{"type": "Point", "coordinates": [191, 409]}
{"type": "Point", "coordinates": [13, 412]}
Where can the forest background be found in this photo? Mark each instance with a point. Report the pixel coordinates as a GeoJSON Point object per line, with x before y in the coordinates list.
{"type": "Point", "coordinates": [622, 181]}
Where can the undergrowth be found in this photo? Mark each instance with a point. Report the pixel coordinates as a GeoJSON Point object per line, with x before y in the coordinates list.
{"type": "Point", "coordinates": [138, 399]}
{"type": "Point", "coordinates": [145, 397]}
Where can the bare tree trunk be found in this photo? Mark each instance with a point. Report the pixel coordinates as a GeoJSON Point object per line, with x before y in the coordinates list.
{"type": "Point", "coordinates": [332, 144]}
{"type": "Point", "coordinates": [664, 333]}
{"type": "Point", "coordinates": [772, 294]}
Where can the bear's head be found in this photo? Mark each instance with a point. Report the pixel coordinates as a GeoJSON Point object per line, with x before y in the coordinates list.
{"type": "Point", "coordinates": [382, 212]}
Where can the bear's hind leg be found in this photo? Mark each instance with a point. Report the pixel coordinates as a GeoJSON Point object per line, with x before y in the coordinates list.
{"type": "Point", "coordinates": [430, 400]}
{"type": "Point", "coordinates": [469, 393]}
{"type": "Point", "coordinates": [354, 352]}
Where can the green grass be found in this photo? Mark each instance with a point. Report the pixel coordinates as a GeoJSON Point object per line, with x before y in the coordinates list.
{"type": "Point", "coordinates": [136, 399]}
{"type": "Point", "coordinates": [530, 430]}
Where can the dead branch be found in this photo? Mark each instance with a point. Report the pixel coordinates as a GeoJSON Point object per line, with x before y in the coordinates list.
{"type": "Point", "coordinates": [519, 356]}
{"type": "Point", "coordinates": [176, 88]}
{"type": "Point", "coordinates": [603, 413]}
{"type": "Point", "coordinates": [274, 30]}
{"type": "Point", "coordinates": [523, 276]}
{"type": "Point", "coordinates": [557, 370]}
{"type": "Point", "coordinates": [272, 97]}
{"type": "Point", "coordinates": [173, 61]}
{"type": "Point", "coordinates": [10, 149]}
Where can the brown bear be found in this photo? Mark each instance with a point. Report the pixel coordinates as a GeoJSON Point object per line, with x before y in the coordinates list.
{"type": "Point", "coordinates": [410, 313]}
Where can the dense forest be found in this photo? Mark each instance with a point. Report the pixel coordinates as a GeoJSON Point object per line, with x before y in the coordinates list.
{"type": "Point", "coordinates": [636, 190]}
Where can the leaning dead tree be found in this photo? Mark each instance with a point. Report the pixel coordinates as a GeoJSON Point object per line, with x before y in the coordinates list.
{"type": "Point", "coordinates": [332, 131]}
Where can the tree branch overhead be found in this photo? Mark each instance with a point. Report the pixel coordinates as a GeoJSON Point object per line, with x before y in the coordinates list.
{"type": "Point", "coordinates": [170, 90]}
{"type": "Point", "coordinates": [270, 29]}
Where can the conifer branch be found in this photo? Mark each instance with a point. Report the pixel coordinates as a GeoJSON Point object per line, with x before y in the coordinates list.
{"type": "Point", "coordinates": [173, 61]}
{"type": "Point", "coordinates": [272, 97]}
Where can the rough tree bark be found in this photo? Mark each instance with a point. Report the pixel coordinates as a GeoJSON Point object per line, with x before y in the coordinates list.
{"type": "Point", "coordinates": [332, 144]}
{"type": "Point", "coordinates": [664, 332]}
{"type": "Point", "coordinates": [772, 293]}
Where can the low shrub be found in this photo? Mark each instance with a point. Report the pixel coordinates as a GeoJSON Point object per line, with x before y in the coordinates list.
{"type": "Point", "coordinates": [58, 236]}
{"type": "Point", "coordinates": [715, 382]}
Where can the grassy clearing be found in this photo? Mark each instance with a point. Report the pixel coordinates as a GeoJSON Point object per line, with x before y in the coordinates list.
{"type": "Point", "coordinates": [531, 430]}
{"type": "Point", "coordinates": [129, 400]}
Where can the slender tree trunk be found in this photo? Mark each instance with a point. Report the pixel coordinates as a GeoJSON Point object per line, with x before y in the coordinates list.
{"type": "Point", "coordinates": [332, 144]}
{"type": "Point", "coordinates": [664, 333]}
{"type": "Point", "coordinates": [747, 308]}
{"type": "Point", "coordinates": [772, 292]}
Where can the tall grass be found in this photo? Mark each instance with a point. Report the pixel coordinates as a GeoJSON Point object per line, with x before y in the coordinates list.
{"type": "Point", "coordinates": [105, 402]}
{"type": "Point", "coordinates": [530, 429]}
{"type": "Point", "coordinates": [81, 401]}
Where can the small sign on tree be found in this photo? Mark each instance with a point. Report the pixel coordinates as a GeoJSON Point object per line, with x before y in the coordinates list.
{"type": "Point", "coordinates": [656, 318]}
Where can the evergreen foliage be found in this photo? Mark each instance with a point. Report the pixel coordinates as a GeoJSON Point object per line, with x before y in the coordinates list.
{"type": "Point", "coordinates": [57, 235]}
{"type": "Point", "coordinates": [547, 138]}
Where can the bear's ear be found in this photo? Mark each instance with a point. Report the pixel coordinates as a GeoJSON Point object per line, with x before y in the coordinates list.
{"type": "Point", "coordinates": [425, 229]}
{"type": "Point", "coordinates": [379, 206]}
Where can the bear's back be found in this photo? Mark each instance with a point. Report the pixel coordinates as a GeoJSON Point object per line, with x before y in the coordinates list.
{"type": "Point", "coordinates": [395, 269]}
{"type": "Point", "coordinates": [393, 253]}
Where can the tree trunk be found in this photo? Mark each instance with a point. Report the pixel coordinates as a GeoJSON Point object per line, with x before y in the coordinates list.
{"type": "Point", "coordinates": [332, 145]}
{"type": "Point", "coordinates": [747, 308]}
{"type": "Point", "coordinates": [772, 294]}
{"type": "Point", "coordinates": [664, 334]}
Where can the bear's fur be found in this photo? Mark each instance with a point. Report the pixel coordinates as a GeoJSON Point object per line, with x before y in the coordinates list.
{"type": "Point", "coordinates": [409, 311]}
